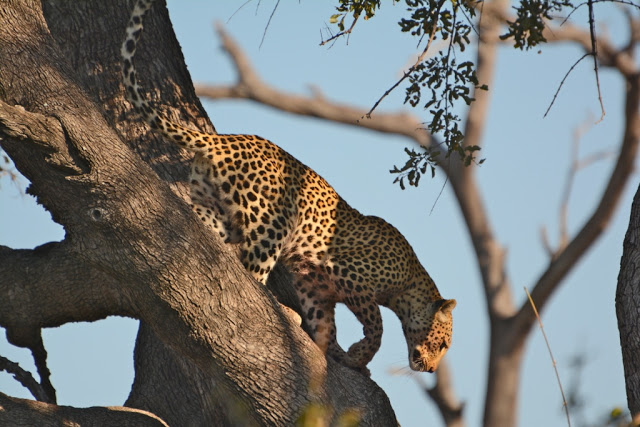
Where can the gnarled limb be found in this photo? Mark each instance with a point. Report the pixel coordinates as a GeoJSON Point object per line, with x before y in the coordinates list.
{"type": "Point", "coordinates": [15, 411]}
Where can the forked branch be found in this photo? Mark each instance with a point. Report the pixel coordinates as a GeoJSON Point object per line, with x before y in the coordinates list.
{"type": "Point", "coordinates": [577, 164]}
{"type": "Point", "coordinates": [25, 378]}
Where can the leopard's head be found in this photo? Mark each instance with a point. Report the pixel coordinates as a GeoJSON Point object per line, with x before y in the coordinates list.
{"type": "Point", "coordinates": [427, 329]}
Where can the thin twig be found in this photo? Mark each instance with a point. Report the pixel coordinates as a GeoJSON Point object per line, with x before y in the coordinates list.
{"type": "Point", "coordinates": [342, 33]}
{"type": "Point", "coordinates": [576, 164]}
{"type": "Point", "coordinates": [625, 2]}
{"type": "Point", "coordinates": [238, 10]}
{"type": "Point", "coordinates": [573, 170]}
{"type": "Point", "coordinates": [39, 353]}
{"type": "Point", "coordinates": [471, 25]}
{"type": "Point", "coordinates": [594, 52]}
{"type": "Point", "coordinates": [562, 82]}
{"type": "Point", "coordinates": [553, 361]}
{"type": "Point", "coordinates": [413, 67]}
{"type": "Point", "coordinates": [264, 34]}
{"type": "Point", "coordinates": [545, 242]}
{"type": "Point", "coordinates": [447, 101]}
{"type": "Point", "coordinates": [446, 181]}
{"type": "Point", "coordinates": [25, 378]}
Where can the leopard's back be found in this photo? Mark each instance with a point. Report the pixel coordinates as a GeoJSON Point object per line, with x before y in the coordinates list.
{"type": "Point", "coordinates": [256, 195]}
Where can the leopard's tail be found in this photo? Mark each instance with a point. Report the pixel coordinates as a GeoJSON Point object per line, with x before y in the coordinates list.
{"type": "Point", "coordinates": [187, 138]}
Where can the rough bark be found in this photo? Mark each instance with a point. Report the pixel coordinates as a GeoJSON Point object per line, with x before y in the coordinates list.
{"type": "Point", "coordinates": [628, 307]}
{"type": "Point", "coordinates": [33, 413]}
{"type": "Point", "coordinates": [226, 352]}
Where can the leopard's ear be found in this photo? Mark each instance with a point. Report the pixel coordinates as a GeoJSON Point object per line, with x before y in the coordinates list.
{"type": "Point", "coordinates": [444, 311]}
{"type": "Point", "coordinates": [448, 305]}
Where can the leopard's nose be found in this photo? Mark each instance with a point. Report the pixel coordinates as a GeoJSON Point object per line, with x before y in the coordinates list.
{"type": "Point", "coordinates": [416, 354]}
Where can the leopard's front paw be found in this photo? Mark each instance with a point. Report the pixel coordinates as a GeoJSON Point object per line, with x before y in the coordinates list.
{"type": "Point", "coordinates": [346, 361]}
{"type": "Point", "coordinates": [357, 357]}
{"type": "Point", "coordinates": [342, 357]}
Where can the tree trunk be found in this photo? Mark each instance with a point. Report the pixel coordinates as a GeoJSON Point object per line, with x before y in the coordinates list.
{"type": "Point", "coordinates": [213, 348]}
{"type": "Point", "coordinates": [628, 307]}
{"type": "Point", "coordinates": [503, 379]}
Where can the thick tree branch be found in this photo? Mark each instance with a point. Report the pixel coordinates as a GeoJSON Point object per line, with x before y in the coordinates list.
{"type": "Point", "coordinates": [15, 411]}
{"type": "Point", "coordinates": [489, 253]}
{"type": "Point", "coordinates": [74, 291]}
{"type": "Point", "coordinates": [48, 287]}
{"type": "Point", "coordinates": [45, 133]}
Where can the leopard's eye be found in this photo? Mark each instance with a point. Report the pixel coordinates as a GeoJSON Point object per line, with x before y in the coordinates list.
{"type": "Point", "coordinates": [444, 346]}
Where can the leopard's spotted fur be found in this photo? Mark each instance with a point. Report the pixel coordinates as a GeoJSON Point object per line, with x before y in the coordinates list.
{"type": "Point", "coordinates": [255, 194]}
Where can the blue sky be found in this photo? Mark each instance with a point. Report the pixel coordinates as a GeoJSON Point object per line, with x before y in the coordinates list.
{"type": "Point", "coordinates": [521, 181]}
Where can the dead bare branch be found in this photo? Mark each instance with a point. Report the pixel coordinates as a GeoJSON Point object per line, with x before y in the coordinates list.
{"type": "Point", "coordinates": [576, 164]}
{"type": "Point", "coordinates": [565, 406]}
{"type": "Point", "coordinates": [273, 12]}
{"type": "Point", "coordinates": [594, 54]}
{"type": "Point", "coordinates": [555, 95]}
{"type": "Point", "coordinates": [25, 378]}
{"type": "Point", "coordinates": [40, 359]}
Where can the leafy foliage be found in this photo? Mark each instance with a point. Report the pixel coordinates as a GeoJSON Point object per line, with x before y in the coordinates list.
{"type": "Point", "coordinates": [354, 8]}
{"type": "Point", "coordinates": [438, 82]}
{"type": "Point", "coordinates": [527, 29]}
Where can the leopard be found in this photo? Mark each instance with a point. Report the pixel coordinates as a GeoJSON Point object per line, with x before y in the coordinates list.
{"type": "Point", "coordinates": [259, 197]}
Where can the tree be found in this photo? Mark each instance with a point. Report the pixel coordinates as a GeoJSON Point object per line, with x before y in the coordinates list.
{"type": "Point", "coordinates": [627, 308]}
{"type": "Point", "coordinates": [506, 334]}
{"type": "Point", "coordinates": [211, 333]}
